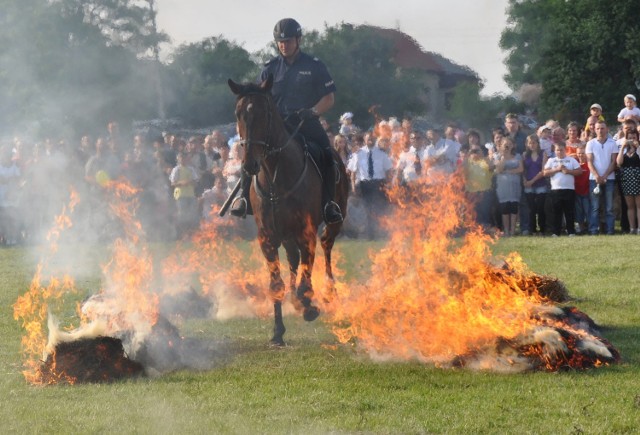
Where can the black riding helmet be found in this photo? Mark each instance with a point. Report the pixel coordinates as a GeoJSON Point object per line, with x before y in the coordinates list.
{"type": "Point", "coordinates": [287, 28]}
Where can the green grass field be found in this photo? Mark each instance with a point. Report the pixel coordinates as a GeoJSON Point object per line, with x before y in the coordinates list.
{"type": "Point", "coordinates": [313, 386]}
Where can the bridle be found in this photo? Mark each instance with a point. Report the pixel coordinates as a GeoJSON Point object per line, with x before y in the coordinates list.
{"type": "Point", "coordinates": [271, 193]}
{"type": "Point", "coordinates": [269, 149]}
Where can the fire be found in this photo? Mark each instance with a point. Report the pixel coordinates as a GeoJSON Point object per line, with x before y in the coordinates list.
{"type": "Point", "coordinates": [430, 296]}
{"type": "Point", "coordinates": [235, 279]}
{"type": "Point", "coordinates": [32, 308]}
{"type": "Point", "coordinates": [126, 305]}
{"type": "Point", "coordinates": [435, 298]}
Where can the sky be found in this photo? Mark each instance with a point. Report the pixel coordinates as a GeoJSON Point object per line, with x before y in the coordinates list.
{"type": "Point", "coordinates": [465, 31]}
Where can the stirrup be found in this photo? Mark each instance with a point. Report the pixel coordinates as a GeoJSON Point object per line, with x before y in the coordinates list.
{"type": "Point", "coordinates": [332, 213]}
{"type": "Point", "coordinates": [239, 207]}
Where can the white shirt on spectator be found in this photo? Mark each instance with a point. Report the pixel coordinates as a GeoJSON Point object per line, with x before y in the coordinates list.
{"type": "Point", "coordinates": [560, 180]}
{"type": "Point", "coordinates": [446, 148]}
{"type": "Point", "coordinates": [629, 112]}
{"type": "Point", "coordinates": [407, 164]}
{"type": "Point", "coordinates": [602, 156]}
{"type": "Point", "coordinates": [359, 164]}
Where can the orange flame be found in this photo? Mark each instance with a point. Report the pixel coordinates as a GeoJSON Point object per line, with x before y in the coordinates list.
{"type": "Point", "coordinates": [125, 303]}
{"type": "Point", "coordinates": [31, 309]}
{"type": "Point", "coordinates": [434, 297]}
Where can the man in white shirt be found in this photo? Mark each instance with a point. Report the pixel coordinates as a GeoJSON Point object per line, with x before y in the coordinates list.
{"type": "Point", "coordinates": [409, 164]}
{"type": "Point", "coordinates": [441, 155]}
{"type": "Point", "coordinates": [370, 169]}
{"type": "Point", "coordinates": [601, 158]}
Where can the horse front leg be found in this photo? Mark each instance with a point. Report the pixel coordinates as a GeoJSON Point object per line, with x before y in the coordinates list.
{"type": "Point", "coordinates": [293, 257]}
{"type": "Point", "coordinates": [276, 287]}
{"type": "Point", "coordinates": [305, 289]}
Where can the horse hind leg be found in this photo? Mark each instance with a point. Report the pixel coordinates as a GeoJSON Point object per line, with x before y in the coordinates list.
{"type": "Point", "coordinates": [305, 289]}
{"type": "Point", "coordinates": [327, 241]}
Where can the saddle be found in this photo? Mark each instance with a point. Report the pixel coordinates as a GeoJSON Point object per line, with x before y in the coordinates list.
{"type": "Point", "coordinates": [315, 152]}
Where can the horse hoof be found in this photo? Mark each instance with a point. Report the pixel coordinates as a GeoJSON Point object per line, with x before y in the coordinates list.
{"type": "Point", "coordinates": [311, 313]}
{"type": "Point", "coordinates": [277, 342]}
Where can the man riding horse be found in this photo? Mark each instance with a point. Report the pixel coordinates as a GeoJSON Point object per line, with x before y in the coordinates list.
{"type": "Point", "coordinates": [302, 90]}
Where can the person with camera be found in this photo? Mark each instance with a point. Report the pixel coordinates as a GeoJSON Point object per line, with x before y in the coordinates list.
{"type": "Point", "coordinates": [628, 161]}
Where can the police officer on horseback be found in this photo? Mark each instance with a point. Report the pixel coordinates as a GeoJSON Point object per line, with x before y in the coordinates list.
{"type": "Point", "coordinates": [302, 90]}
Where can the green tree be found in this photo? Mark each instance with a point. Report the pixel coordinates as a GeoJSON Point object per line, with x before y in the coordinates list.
{"type": "Point", "coordinates": [470, 109]}
{"type": "Point", "coordinates": [124, 23]}
{"type": "Point", "coordinates": [580, 51]}
{"type": "Point", "coordinates": [200, 71]}
{"type": "Point", "coordinates": [61, 75]}
{"type": "Point", "coordinates": [361, 63]}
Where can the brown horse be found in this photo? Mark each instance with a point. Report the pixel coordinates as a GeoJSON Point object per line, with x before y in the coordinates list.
{"type": "Point", "coordinates": [286, 197]}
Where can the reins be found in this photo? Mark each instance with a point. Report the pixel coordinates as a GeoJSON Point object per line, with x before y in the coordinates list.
{"type": "Point", "coordinates": [271, 195]}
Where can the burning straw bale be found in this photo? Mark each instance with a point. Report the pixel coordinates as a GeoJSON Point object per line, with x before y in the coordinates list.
{"type": "Point", "coordinates": [547, 287]}
{"type": "Point", "coordinates": [565, 339]}
{"type": "Point", "coordinates": [89, 360]}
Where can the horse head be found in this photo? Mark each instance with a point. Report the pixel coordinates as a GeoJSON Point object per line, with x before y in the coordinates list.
{"type": "Point", "coordinates": [254, 113]}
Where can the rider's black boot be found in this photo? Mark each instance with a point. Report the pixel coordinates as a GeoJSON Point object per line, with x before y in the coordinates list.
{"type": "Point", "coordinates": [331, 210]}
{"type": "Point", "coordinates": [241, 207]}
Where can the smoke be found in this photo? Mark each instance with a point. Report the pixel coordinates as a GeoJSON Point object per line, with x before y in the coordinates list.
{"type": "Point", "coordinates": [136, 298]}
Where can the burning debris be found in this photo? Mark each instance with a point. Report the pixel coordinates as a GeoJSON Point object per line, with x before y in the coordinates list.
{"type": "Point", "coordinates": [565, 339]}
{"type": "Point", "coordinates": [122, 332]}
{"type": "Point", "coordinates": [95, 353]}
{"type": "Point", "coordinates": [88, 360]}
{"type": "Point", "coordinates": [548, 288]}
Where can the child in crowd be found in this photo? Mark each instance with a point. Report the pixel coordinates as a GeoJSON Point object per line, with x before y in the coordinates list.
{"type": "Point", "coordinates": [630, 110]}
{"type": "Point", "coordinates": [544, 136]}
{"type": "Point", "coordinates": [509, 168]}
{"type": "Point", "coordinates": [492, 147]}
{"type": "Point", "coordinates": [183, 179]}
{"type": "Point", "coordinates": [478, 171]}
{"type": "Point", "coordinates": [596, 110]}
{"type": "Point", "coordinates": [347, 128]}
{"type": "Point", "coordinates": [215, 196]}
{"type": "Point", "coordinates": [583, 204]}
{"type": "Point", "coordinates": [562, 170]}
{"type": "Point", "coordinates": [628, 161]}
{"type": "Point", "coordinates": [535, 185]}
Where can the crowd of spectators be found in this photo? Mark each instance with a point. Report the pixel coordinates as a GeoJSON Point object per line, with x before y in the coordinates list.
{"type": "Point", "coordinates": [554, 181]}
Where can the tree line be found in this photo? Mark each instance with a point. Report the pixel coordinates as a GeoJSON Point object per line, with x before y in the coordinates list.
{"type": "Point", "coordinates": [69, 66]}
{"type": "Point", "coordinates": [578, 52]}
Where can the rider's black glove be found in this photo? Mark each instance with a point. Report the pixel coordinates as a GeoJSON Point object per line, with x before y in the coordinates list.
{"type": "Point", "coordinates": [305, 114]}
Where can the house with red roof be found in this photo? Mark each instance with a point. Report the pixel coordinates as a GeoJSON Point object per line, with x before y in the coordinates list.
{"type": "Point", "coordinates": [441, 74]}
